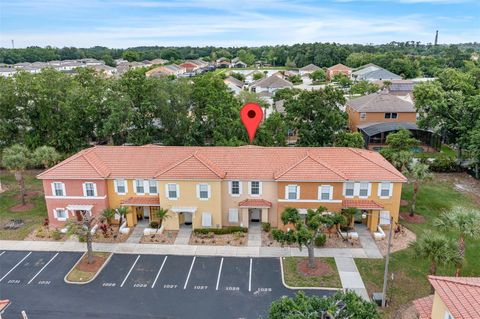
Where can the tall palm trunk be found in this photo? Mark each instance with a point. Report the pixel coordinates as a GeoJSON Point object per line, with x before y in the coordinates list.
{"type": "Point", "coordinates": [89, 247]}
{"type": "Point", "coordinates": [414, 199]}
{"type": "Point", "coordinates": [433, 271]}
{"type": "Point", "coordinates": [19, 179]}
{"type": "Point", "coordinates": [461, 252]}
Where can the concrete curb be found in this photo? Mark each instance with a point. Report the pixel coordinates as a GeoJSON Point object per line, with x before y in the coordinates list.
{"type": "Point", "coordinates": [303, 288]}
{"type": "Point", "coordinates": [93, 278]}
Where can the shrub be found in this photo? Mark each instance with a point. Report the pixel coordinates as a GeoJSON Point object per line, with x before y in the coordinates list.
{"type": "Point", "coordinates": [82, 238]}
{"type": "Point", "coordinates": [56, 234]}
{"type": "Point", "coordinates": [320, 240]}
{"type": "Point", "coordinates": [41, 233]}
{"type": "Point", "coordinates": [220, 231]}
{"type": "Point", "coordinates": [266, 227]}
{"type": "Point", "coordinates": [444, 164]}
{"type": "Point", "coordinates": [154, 224]}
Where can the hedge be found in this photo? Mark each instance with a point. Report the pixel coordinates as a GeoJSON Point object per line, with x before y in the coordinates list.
{"type": "Point", "coordinates": [221, 231]}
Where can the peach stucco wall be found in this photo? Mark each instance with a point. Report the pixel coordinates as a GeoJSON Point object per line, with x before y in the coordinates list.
{"type": "Point", "coordinates": [374, 117]}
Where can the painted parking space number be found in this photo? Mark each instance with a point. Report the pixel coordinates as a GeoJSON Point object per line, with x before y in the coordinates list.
{"type": "Point", "coordinates": [140, 286]}
{"type": "Point", "coordinates": [44, 282]}
{"type": "Point", "coordinates": [200, 287]}
{"type": "Point", "coordinates": [170, 286]}
{"type": "Point", "coordinates": [232, 288]}
{"type": "Point", "coordinates": [109, 284]}
{"type": "Point", "coordinates": [14, 281]}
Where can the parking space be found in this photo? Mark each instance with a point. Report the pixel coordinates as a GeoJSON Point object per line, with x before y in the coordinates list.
{"type": "Point", "coordinates": [117, 269]}
{"type": "Point", "coordinates": [55, 272]}
{"type": "Point", "coordinates": [204, 274]}
{"type": "Point", "coordinates": [174, 273]}
{"type": "Point", "coordinates": [235, 275]}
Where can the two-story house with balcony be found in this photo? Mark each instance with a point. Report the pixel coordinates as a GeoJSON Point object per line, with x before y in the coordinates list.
{"type": "Point", "coordinates": [216, 187]}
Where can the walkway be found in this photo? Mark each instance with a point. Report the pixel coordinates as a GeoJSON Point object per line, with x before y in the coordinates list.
{"type": "Point", "coordinates": [350, 277]}
{"type": "Point", "coordinates": [254, 235]}
{"type": "Point", "coordinates": [368, 243]}
{"type": "Point", "coordinates": [183, 236]}
{"type": "Point", "coordinates": [137, 232]}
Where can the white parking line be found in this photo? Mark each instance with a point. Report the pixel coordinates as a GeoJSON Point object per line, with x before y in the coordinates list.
{"type": "Point", "coordinates": [250, 277]}
{"type": "Point", "coordinates": [21, 261]}
{"type": "Point", "coordinates": [219, 273]}
{"type": "Point", "coordinates": [131, 268]}
{"type": "Point", "coordinates": [38, 273]}
{"type": "Point", "coordinates": [2, 253]}
{"type": "Point", "coordinates": [159, 271]}
{"type": "Point", "coordinates": [189, 272]}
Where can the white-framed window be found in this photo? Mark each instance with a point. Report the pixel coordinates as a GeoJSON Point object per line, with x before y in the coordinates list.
{"type": "Point", "coordinates": [364, 189]}
{"type": "Point", "coordinates": [172, 191]}
{"type": "Point", "coordinates": [325, 192]}
{"type": "Point", "coordinates": [58, 189]}
{"type": "Point", "coordinates": [139, 186]}
{"type": "Point", "coordinates": [292, 192]}
{"type": "Point", "coordinates": [363, 116]}
{"type": "Point", "coordinates": [233, 215]}
{"type": "Point", "coordinates": [391, 115]}
{"type": "Point", "coordinates": [89, 189]}
{"type": "Point", "coordinates": [349, 189]}
{"type": "Point", "coordinates": [206, 220]}
{"type": "Point", "coordinates": [152, 187]}
{"type": "Point", "coordinates": [384, 217]}
{"type": "Point", "coordinates": [60, 214]}
{"type": "Point", "coordinates": [235, 188]}
{"type": "Point", "coordinates": [255, 188]}
{"type": "Point", "coordinates": [385, 189]}
{"type": "Point", "coordinates": [203, 191]}
{"type": "Point", "coordinates": [120, 186]}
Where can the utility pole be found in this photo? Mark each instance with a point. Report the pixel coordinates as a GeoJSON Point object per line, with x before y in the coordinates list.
{"type": "Point", "coordinates": [387, 260]}
{"type": "Point", "coordinates": [436, 38]}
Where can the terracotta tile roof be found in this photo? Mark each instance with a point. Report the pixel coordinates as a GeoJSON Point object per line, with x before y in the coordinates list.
{"type": "Point", "coordinates": [245, 162]}
{"type": "Point", "coordinates": [142, 201]}
{"type": "Point", "coordinates": [252, 202]}
{"type": "Point", "coordinates": [461, 295]}
{"type": "Point", "coordinates": [361, 204]}
{"type": "Point", "coordinates": [339, 67]}
{"type": "Point", "coordinates": [424, 307]}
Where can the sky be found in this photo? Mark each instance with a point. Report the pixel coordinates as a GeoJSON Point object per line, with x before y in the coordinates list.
{"type": "Point", "coordinates": [128, 23]}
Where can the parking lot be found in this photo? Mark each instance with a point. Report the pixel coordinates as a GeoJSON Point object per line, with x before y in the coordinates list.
{"type": "Point", "coordinates": [178, 286]}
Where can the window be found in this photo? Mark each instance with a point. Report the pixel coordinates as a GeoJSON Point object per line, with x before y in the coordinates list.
{"type": "Point", "coordinates": [203, 191]}
{"type": "Point", "coordinates": [58, 189]}
{"type": "Point", "coordinates": [293, 192]}
{"type": "Point", "coordinates": [89, 190]}
{"type": "Point", "coordinates": [235, 188]}
{"type": "Point", "coordinates": [139, 186]}
{"type": "Point", "coordinates": [390, 115]}
{"type": "Point", "coordinates": [384, 217]}
{"type": "Point", "coordinates": [152, 186]}
{"type": "Point", "coordinates": [384, 190]}
{"type": "Point", "coordinates": [255, 188]}
{"type": "Point", "coordinates": [363, 116]}
{"type": "Point", "coordinates": [233, 215]}
{"type": "Point", "coordinates": [60, 213]}
{"type": "Point", "coordinates": [363, 191]}
{"type": "Point", "coordinates": [172, 191]}
{"type": "Point", "coordinates": [349, 189]}
{"type": "Point", "coordinates": [326, 192]}
{"type": "Point", "coordinates": [120, 186]}
{"type": "Point", "coordinates": [206, 220]}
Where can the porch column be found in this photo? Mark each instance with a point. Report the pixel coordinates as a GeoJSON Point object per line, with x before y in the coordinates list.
{"type": "Point", "coordinates": [373, 220]}
{"type": "Point", "coordinates": [244, 217]}
{"type": "Point", "coordinates": [264, 215]}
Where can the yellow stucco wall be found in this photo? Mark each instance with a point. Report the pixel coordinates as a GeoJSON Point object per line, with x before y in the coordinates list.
{"type": "Point", "coordinates": [115, 199]}
{"type": "Point", "coordinates": [269, 193]}
{"type": "Point", "coordinates": [376, 117]}
{"type": "Point", "coordinates": [188, 198]}
{"type": "Point", "coordinates": [439, 308]}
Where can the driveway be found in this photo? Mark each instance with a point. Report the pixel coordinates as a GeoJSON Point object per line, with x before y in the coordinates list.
{"type": "Point", "coordinates": [142, 286]}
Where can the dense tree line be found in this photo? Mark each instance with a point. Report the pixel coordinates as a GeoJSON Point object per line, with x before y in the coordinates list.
{"type": "Point", "coordinates": [407, 58]}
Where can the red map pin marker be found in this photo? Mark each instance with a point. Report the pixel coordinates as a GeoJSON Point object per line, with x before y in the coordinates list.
{"type": "Point", "coordinates": [251, 115]}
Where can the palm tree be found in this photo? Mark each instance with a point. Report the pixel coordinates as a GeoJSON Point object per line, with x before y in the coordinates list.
{"type": "Point", "coordinates": [46, 156]}
{"type": "Point", "coordinates": [466, 222]}
{"type": "Point", "coordinates": [16, 159]}
{"type": "Point", "coordinates": [436, 248]}
{"type": "Point", "coordinates": [108, 213]}
{"type": "Point", "coordinates": [419, 173]}
{"type": "Point", "coordinates": [161, 214]}
{"type": "Point", "coordinates": [122, 211]}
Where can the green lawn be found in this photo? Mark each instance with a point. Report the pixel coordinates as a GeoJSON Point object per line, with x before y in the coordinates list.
{"type": "Point", "coordinates": [410, 274]}
{"type": "Point", "coordinates": [295, 279]}
{"type": "Point", "coordinates": [33, 218]}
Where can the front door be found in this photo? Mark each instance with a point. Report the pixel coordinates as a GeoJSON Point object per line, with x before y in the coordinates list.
{"type": "Point", "coordinates": [79, 215]}
{"type": "Point", "coordinates": [187, 218]}
{"type": "Point", "coordinates": [146, 213]}
{"type": "Point", "coordinates": [254, 214]}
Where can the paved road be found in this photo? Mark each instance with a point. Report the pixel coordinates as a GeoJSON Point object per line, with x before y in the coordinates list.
{"type": "Point", "coordinates": [141, 286]}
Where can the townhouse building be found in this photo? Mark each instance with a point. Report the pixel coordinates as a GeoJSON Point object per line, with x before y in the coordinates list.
{"type": "Point", "coordinates": [221, 186]}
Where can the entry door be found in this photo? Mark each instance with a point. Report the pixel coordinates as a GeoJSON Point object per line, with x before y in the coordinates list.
{"type": "Point", "coordinates": [78, 214]}
{"type": "Point", "coordinates": [188, 218]}
{"type": "Point", "coordinates": [255, 215]}
{"type": "Point", "coordinates": [146, 212]}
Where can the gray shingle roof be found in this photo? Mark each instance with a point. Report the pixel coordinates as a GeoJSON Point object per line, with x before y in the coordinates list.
{"type": "Point", "coordinates": [235, 81]}
{"type": "Point", "coordinates": [380, 102]}
{"type": "Point", "coordinates": [273, 82]}
{"type": "Point", "coordinates": [310, 67]}
{"type": "Point", "coordinates": [374, 72]}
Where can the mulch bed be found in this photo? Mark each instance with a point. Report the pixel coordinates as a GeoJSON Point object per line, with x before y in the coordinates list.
{"type": "Point", "coordinates": [98, 261]}
{"type": "Point", "coordinates": [44, 233]}
{"type": "Point", "coordinates": [240, 239]}
{"type": "Point", "coordinates": [415, 219]}
{"type": "Point", "coordinates": [167, 238]}
{"type": "Point", "coordinates": [320, 269]}
{"type": "Point", "coordinates": [28, 195]}
{"type": "Point", "coordinates": [21, 208]}
{"type": "Point", "coordinates": [112, 236]}
{"type": "Point", "coordinates": [333, 241]}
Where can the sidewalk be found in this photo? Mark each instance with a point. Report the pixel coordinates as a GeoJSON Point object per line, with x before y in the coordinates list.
{"type": "Point", "coordinates": [350, 277]}
{"type": "Point", "coordinates": [193, 250]}
{"type": "Point", "coordinates": [367, 242]}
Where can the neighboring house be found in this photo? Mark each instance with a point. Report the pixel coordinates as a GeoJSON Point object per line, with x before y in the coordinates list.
{"type": "Point", "coordinates": [189, 67]}
{"type": "Point", "coordinates": [105, 69]}
{"type": "Point", "coordinates": [308, 69]}
{"type": "Point", "coordinates": [223, 64]}
{"type": "Point", "coordinates": [338, 69]}
{"type": "Point", "coordinates": [270, 84]}
{"type": "Point", "coordinates": [372, 72]}
{"type": "Point", "coordinates": [158, 61]}
{"type": "Point", "coordinates": [237, 63]}
{"type": "Point", "coordinates": [7, 71]}
{"type": "Point", "coordinates": [234, 84]}
{"type": "Point", "coordinates": [378, 114]}
{"type": "Point", "coordinates": [454, 298]}
{"type": "Point", "coordinates": [398, 87]}
{"type": "Point", "coordinates": [165, 70]}
{"type": "Point", "coordinates": [220, 186]}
